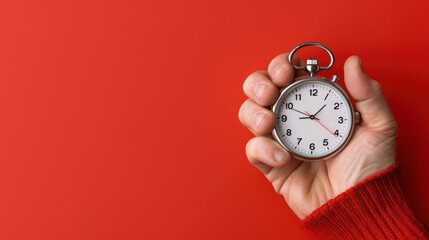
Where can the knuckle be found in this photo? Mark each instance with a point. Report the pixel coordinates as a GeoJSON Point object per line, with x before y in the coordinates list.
{"type": "Point", "coordinates": [263, 121]}
{"type": "Point", "coordinates": [260, 119]}
{"type": "Point", "coordinates": [252, 81]}
{"type": "Point", "coordinates": [262, 91]}
{"type": "Point", "coordinates": [280, 70]}
{"type": "Point", "coordinates": [266, 94]}
{"type": "Point", "coordinates": [378, 89]}
{"type": "Point", "coordinates": [391, 129]}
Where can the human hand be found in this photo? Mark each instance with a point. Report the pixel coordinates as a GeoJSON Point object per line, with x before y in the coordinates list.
{"type": "Point", "coordinates": [306, 186]}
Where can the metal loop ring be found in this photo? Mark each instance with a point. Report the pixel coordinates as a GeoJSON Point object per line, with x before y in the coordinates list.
{"type": "Point", "coordinates": [312, 44]}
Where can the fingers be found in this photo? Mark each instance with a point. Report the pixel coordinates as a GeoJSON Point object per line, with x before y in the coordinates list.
{"type": "Point", "coordinates": [281, 71]}
{"type": "Point", "coordinates": [370, 101]}
{"type": "Point", "coordinates": [265, 154]}
{"type": "Point", "coordinates": [257, 119]}
{"type": "Point", "coordinates": [272, 160]}
{"type": "Point", "coordinates": [260, 89]}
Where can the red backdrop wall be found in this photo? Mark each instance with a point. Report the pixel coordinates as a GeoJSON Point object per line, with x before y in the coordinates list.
{"type": "Point", "coordinates": [118, 119]}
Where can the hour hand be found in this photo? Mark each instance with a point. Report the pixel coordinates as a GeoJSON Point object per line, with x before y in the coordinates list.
{"type": "Point", "coordinates": [309, 117]}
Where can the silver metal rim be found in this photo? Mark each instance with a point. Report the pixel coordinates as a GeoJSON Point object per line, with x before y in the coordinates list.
{"type": "Point", "coordinates": [316, 45]}
{"type": "Point", "coordinates": [334, 85]}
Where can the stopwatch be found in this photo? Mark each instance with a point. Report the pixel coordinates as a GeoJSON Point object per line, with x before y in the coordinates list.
{"type": "Point", "coordinates": [315, 117]}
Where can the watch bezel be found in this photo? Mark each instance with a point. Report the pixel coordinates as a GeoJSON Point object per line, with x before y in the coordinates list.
{"type": "Point", "coordinates": [328, 81]}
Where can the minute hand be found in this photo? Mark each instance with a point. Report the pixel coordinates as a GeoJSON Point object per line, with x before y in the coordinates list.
{"type": "Point", "coordinates": [300, 112]}
{"type": "Point", "coordinates": [319, 110]}
{"type": "Point", "coordinates": [307, 115]}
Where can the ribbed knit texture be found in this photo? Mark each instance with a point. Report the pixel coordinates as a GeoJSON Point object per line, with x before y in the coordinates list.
{"type": "Point", "coordinates": [373, 209]}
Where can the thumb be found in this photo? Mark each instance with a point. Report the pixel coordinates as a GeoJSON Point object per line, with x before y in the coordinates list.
{"type": "Point", "coordinates": [370, 101]}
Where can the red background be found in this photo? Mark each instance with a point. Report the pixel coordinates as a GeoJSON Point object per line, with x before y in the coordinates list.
{"type": "Point", "coordinates": [118, 119]}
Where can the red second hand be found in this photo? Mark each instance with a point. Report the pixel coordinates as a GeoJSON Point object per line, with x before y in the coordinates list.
{"type": "Point", "coordinates": [321, 124]}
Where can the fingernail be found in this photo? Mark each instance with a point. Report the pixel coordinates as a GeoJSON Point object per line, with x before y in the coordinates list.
{"type": "Point", "coordinates": [278, 71]}
{"type": "Point", "coordinates": [279, 155]}
{"type": "Point", "coordinates": [259, 119]}
{"type": "Point", "coordinates": [260, 90]}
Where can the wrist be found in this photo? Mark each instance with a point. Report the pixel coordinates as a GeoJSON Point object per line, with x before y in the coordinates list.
{"type": "Point", "coordinates": [373, 208]}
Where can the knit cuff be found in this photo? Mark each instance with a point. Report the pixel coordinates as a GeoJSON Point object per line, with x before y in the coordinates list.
{"type": "Point", "coordinates": [373, 209]}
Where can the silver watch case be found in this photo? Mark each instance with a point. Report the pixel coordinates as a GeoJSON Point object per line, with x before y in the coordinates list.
{"type": "Point", "coordinates": [332, 83]}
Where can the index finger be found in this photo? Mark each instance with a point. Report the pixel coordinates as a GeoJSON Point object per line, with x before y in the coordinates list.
{"type": "Point", "coordinates": [281, 71]}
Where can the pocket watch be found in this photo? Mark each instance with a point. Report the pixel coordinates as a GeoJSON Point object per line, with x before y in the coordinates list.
{"type": "Point", "coordinates": [315, 118]}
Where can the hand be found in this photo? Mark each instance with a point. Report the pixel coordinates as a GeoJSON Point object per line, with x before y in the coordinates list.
{"type": "Point", "coordinates": [308, 185]}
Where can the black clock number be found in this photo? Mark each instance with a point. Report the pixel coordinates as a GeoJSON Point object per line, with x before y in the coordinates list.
{"type": "Point", "coordinates": [313, 92]}
{"type": "Point", "coordinates": [288, 132]}
{"type": "Point", "coordinates": [336, 133]}
{"type": "Point", "coordinates": [299, 140]}
{"type": "Point", "coordinates": [289, 105]}
{"type": "Point", "coordinates": [284, 118]}
{"type": "Point", "coordinates": [298, 97]}
{"type": "Point", "coordinates": [325, 142]}
{"type": "Point", "coordinates": [312, 147]}
{"type": "Point", "coordinates": [337, 105]}
{"type": "Point", "coordinates": [340, 120]}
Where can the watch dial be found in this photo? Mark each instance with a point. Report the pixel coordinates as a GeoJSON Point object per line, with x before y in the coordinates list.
{"type": "Point", "coordinates": [314, 118]}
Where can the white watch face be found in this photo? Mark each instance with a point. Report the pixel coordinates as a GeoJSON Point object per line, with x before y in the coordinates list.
{"type": "Point", "coordinates": [314, 118]}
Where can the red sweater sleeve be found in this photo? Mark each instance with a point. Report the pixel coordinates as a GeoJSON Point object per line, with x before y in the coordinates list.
{"type": "Point", "coordinates": [373, 209]}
